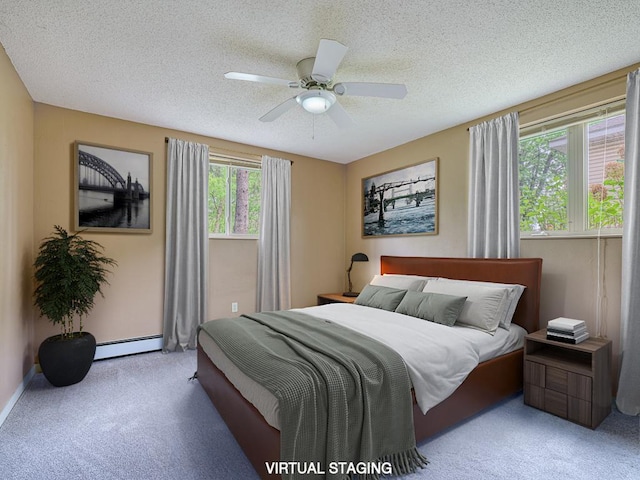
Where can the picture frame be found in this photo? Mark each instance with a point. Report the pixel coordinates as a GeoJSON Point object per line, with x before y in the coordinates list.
{"type": "Point", "coordinates": [112, 189]}
{"type": "Point", "coordinates": [409, 200]}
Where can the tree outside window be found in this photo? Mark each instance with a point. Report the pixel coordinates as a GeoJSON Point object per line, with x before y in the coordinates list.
{"type": "Point", "coordinates": [543, 182]}
{"type": "Point", "coordinates": [606, 172]}
{"type": "Point", "coordinates": [234, 200]}
{"type": "Point", "coordinates": [571, 178]}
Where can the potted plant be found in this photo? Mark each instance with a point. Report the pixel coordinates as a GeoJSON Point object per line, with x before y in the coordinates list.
{"type": "Point", "coordinates": [69, 271]}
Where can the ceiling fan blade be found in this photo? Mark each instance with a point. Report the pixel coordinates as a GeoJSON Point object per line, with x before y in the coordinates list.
{"type": "Point", "coordinates": [279, 110]}
{"type": "Point", "coordinates": [250, 77]}
{"type": "Point", "coordinates": [328, 57]}
{"type": "Point", "coordinates": [365, 89]}
{"type": "Point", "coordinates": [340, 116]}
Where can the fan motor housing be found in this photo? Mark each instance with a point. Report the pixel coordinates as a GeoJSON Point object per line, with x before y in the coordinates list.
{"type": "Point", "coordinates": [304, 69]}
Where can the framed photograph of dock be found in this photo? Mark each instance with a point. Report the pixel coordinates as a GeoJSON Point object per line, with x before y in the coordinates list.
{"type": "Point", "coordinates": [112, 189]}
{"type": "Point", "coordinates": [401, 202]}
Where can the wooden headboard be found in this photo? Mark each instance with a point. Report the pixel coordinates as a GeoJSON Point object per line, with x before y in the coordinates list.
{"type": "Point", "coordinates": [523, 271]}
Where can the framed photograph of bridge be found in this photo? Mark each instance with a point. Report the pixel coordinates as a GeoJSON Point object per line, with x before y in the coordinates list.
{"type": "Point", "coordinates": [112, 189]}
{"type": "Point", "coordinates": [401, 202]}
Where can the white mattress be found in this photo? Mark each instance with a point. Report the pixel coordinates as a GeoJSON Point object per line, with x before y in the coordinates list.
{"type": "Point", "coordinates": [438, 357]}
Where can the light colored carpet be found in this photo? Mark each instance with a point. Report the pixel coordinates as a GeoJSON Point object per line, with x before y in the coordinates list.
{"type": "Point", "coordinates": [139, 417]}
{"type": "Point", "coordinates": [134, 417]}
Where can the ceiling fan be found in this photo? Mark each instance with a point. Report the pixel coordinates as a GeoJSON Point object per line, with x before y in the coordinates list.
{"type": "Point", "coordinates": [315, 76]}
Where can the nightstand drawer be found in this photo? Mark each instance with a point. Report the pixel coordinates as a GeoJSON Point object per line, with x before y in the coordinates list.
{"type": "Point", "coordinates": [556, 403]}
{"type": "Point", "coordinates": [579, 411]}
{"type": "Point", "coordinates": [534, 396]}
{"type": "Point", "coordinates": [579, 386]}
{"type": "Point", "coordinates": [534, 373]}
{"type": "Point", "coordinates": [556, 379]}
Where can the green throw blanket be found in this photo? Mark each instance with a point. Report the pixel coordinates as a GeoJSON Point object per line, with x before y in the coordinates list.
{"type": "Point", "coordinates": [343, 397]}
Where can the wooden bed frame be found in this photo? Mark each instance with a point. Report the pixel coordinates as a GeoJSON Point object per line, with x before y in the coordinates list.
{"type": "Point", "coordinates": [489, 383]}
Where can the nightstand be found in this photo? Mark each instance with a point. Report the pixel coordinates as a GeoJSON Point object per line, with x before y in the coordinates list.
{"type": "Point", "coordinates": [325, 298]}
{"type": "Point", "coordinates": [572, 381]}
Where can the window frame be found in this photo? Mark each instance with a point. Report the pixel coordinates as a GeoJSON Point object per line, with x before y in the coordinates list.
{"type": "Point", "coordinates": [233, 162]}
{"type": "Point", "coordinates": [576, 124]}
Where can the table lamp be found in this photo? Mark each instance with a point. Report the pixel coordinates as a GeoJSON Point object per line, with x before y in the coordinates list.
{"type": "Point", "coordinates": [356, 257]}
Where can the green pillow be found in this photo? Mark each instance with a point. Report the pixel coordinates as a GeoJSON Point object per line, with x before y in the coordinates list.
{"type": "Point", "coordinates": [435, 307]}
{"type": "Point", "coordinates": [376, 296]}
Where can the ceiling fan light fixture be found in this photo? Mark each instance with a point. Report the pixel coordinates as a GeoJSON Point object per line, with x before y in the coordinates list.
{"type": "Point", "coordinates": [316, 101]}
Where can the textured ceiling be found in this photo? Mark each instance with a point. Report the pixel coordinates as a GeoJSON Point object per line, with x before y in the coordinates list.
{"type": "Point", "coordinates": [162, 62]}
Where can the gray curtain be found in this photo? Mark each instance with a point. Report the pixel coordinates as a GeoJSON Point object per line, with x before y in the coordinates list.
{"type": "Point", "coordinates": [185, 285]}
{"type": "Point", "coordinates": [274, 248]}
{"type": "Point", "coordinates": [628, 398]}
{"type": "Point", "coordinates": [494, 203]}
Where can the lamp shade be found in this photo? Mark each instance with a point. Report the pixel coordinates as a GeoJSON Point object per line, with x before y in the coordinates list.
{"type": "Point", "coordinates": [359, 257]}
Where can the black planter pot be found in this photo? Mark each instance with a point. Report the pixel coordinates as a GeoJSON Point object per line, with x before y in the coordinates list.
{"type": "Point", "coordinates": [65, 362]}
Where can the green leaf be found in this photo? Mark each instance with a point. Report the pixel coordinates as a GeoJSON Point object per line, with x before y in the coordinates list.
{"type": "Point", "coordinates": [69, 272]}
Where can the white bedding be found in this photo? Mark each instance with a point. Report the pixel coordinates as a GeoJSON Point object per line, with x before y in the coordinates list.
{"type": "Point", "coordinates": [438, 357]}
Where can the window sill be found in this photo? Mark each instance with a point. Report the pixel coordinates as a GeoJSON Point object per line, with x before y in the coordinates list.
{"type": "Point", "coordinates": [233, 237]}
{"type": "Point", "coordinates": [571, 236]}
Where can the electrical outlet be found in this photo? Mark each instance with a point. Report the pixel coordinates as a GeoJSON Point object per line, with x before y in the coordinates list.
{"type": "Point", "coordinates": [234, 307]}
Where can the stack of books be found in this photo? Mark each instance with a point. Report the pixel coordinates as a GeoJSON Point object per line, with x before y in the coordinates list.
{"type": "Point", "coordinates": [567, 330]}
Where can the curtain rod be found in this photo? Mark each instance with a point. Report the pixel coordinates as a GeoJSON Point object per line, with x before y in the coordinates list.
{"type": "Point", "coordinates": [251, 157]}
{"type": "Point", "coordinates": [571, 94]}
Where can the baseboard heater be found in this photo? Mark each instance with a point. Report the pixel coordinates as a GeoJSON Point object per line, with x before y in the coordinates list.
{"type": "Point", "coordinates": [128, 346]}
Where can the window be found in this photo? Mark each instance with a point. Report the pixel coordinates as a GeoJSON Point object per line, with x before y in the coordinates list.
{"type": "Point", "coordinates": [571, 174]}
{"type": "Point", "coordinates": [234, 198]}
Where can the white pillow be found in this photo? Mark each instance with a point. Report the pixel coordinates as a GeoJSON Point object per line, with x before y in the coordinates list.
{"type": "Point", "coordinates": [515, 292]}
{"type": "Point", "coordinates": [414, 283]}
{"type": "Point", "coordinates": [484, 308]}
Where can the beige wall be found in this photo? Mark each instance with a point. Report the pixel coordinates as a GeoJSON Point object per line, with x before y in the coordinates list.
{"type": "Point", "coordinates": [570, 281]}
{"type": "Point", "coordinates": [16, 230]}
{"type": "Point", "coordinates": [570, 266]}
{"type": "Point", "coordinates": [132, 303]}
{"type": "Point", "coordinates": [450, 147]}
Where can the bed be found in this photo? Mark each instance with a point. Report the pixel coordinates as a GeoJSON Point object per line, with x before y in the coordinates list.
{"type": "Point", "coordinates": [489, 383]}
